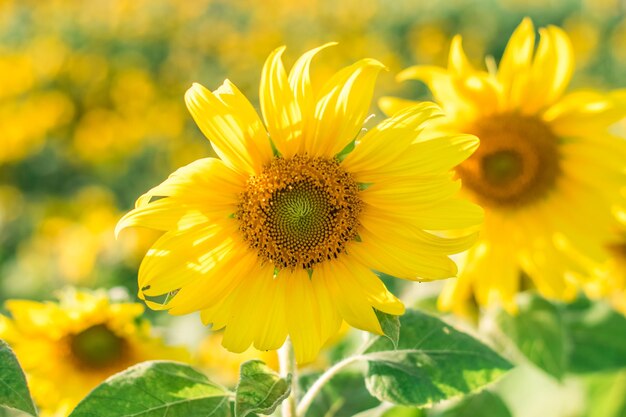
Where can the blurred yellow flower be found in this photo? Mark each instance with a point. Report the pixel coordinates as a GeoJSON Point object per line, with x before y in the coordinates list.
{"type": "Point", "coordinates": [24, 124]}
{"type": "Point", "coordinates": [222, 365]}
{"type": "Point", "coordinates": [547, 171]}
{"type": "Point", "coordinates": [280, 236]}
{"type": "Point", "coordinates": [69, 347]}
{"type": "Point", "coordinates": [71, 243]}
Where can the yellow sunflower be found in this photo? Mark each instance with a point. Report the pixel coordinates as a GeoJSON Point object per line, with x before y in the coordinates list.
{"type": "Point", "coordinates": [68, 348]}
{"type": "Point", "coordinates": [281, 235]}
{"type": "Point", "coordinates": [547, 171]}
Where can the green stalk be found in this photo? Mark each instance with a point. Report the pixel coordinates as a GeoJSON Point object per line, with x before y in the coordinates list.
{"type": "Point", "coordinates": [317, 386]}
{"type": "Point", "coordinates": [287, 363]}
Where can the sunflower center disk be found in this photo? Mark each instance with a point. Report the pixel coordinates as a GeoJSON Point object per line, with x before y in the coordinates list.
{"type": "Point", "coordinates": [97, 347]}
{"type": "Point", "coordinates": [517, 162]}
{"type": "Point", "coordinates": [300, 211]}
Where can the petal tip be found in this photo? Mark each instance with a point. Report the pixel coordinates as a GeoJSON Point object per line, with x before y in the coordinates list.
{"type": "Point", "coordinates": [410, 73]}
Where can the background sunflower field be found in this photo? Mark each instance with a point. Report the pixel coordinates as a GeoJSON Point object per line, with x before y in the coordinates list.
{"type": "Point", "coordinates": [92, 115]}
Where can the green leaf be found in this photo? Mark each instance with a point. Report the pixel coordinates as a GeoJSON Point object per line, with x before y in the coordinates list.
{"type": "Point", "coordinates": [390, 325]}
{"type": "Point", "coordinates": [484, 403]}
{"type": "Point", "coordinates": [260, 389]}
{"type": "Point", "coordinates": [433, 362]}
{"type": "Point", "coordinates": [156, 389]}
{"type": "Point", "coordinates": [538, 332]}
{"type": "Point", "coordinates": [387, 410]}
{"type": "Point", "coordinates": [605, 395]}
{"type": "Point", "coordinates": [13, 388]}
{"type": "Point", "coordinates": [343, 396]}
{"type": "Point", "coordinates": [402, 411]}
{"type": "Point", "coordinates": [595, 332]}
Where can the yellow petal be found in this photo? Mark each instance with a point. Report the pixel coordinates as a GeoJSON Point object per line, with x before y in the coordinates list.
{"type": "Point", "coordinates": [232, 125]}
{"type": "Point", "coordinates": [275, 310]}
{"type": "Point", "coordinates": [515, 65]}
{"type": "Point", "coordinates": [399, 257]}
{"type": "Point", "coordinates": [436, 156]}
{"type": "Point", "coordinates": [392, 105]}
{"type": "Point", "coordinates": [302, 315]}
{"type": "Point", "coordinates": [377, 294]}
{"type": "Point", "coordinates": [440, 82]}
{"type": "Point", "coordinates": [8, 331]}
{"type": "Point", "coordinates": [198, 181]}
{"type": "Point", "coordinates": [585, 113]}
{"type": "Point", "coordinates": [603, 156]}
{"type": "Point", "coordinates": [479, 88]}
{"type": "Point", "coordinates": [349, 299]}
{"type": "Point", "coordinates": [279, 105]}
{"type": "Point", "coordinates": [496, 275]}
{"type": "Point", "coordinates": [385, 143]}
{"type": "Point", "coordinates": [246, 315]}
{"type": "Point", "coordinates": [540, 259]}
{"type": "Point", "coordinates": [481, 91]}
{"type": "Point", "coordinates": [342, 108]}
{"type": "Point", "coordinates": [193, 198]}
{"type": "Point", "coordinates": [31, 315]}
{"type": "Point", "coordinates": [450, 214]}
{"type": "Point", "coordinates": [395, 231]}
{"type": "Point", "coordinates": [164, 214]}
{"type": "Point", "coordinates": [178, 258]}
{"type": "Point", "coordinates": [456, 296]}
{"type": "Point", "coordinates": [300, 82]}
{"type": "Point", "coordinates": [216, 283]}
{"type": "Point", "coordinates": [551, 70]}
{"type": "Point", "coordinates": [403, 195]}
{"type": "Point", "coordinates": [458, 63]}
{"type": "Point", "coordinates": [329, 318]}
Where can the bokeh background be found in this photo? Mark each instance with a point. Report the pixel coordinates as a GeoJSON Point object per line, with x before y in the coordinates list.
{"type": "Point", "coordinates": [92, 112]}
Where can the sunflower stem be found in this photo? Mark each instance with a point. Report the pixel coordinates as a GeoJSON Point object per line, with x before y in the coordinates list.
{"type": "Point", "coordinates": [287, 363]}
{"type": "Point", "coordinates": [317, 386]}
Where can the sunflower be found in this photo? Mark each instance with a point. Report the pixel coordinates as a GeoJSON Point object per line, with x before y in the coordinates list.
{"type": "Point", "coordinates": [69, 347]}
{"type": "Point", "coordinates": [281, 235]}
{"type": "Point", "coordinates": [547, 171]}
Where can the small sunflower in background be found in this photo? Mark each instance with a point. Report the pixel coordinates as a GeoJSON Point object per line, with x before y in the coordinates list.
{"type": "Point", "coordinates": [68, 348]}
{"type": "Point", "coordinates": [281, 235]}
{"type": "Point", "coordinates": [547, 171]}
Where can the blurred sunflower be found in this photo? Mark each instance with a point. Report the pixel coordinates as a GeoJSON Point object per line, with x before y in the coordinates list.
{"type": "Point", "coordinates": [280, 236]}
{"type": "Point", "coordinates": [547, 171]}
{"type": "Point", "coordinates": [69, 347]}
{"type": "Point", "coordinates": [222, 365]}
